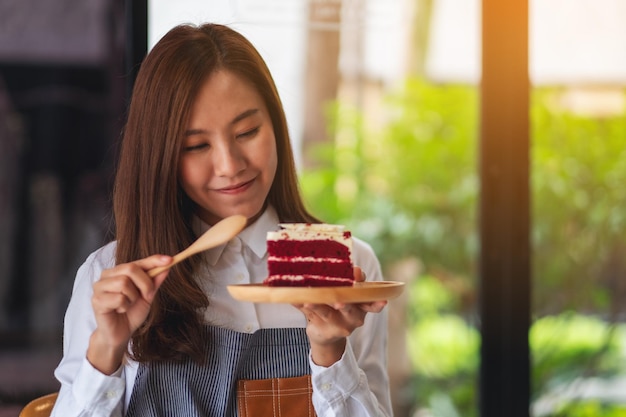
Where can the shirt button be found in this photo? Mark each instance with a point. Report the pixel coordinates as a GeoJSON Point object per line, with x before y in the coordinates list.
{"type": "Point", "coordinates": [248, 328]}
{"type": "Point", "coordinates": [326, 386]}
{"type": "Point", "coordinates": [239, 277]}
{"type": "Point", "coordinates": [111, 394]}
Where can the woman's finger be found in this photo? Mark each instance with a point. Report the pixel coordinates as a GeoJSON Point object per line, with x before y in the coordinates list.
{"type": "Point", "coordinates": [107, 302]}
{"type": "Point", "coordinates": [359, 274]}
{"type": "Point", "coordinates": [118, 284]}
{"type": "Point", "coordinates": [345, 316]}
{"type": "Point", "coordinates": [136, 272]}
{"type": "Point", "coordinates": [373, 307]}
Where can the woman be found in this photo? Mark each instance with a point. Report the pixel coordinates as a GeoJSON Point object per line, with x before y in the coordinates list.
{"type": "Point", "coordinates": [207, 138]}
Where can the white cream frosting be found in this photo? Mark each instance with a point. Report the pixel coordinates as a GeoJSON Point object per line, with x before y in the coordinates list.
{"type": "Point", "coordinates": [309, 231]}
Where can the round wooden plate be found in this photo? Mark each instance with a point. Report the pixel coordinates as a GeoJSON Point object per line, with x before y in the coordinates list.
{"type": "Point", "coordinates": [361, 292]}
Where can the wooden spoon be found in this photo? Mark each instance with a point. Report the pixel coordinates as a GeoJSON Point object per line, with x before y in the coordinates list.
{"type": "Point", "coordinates": [221, 232]}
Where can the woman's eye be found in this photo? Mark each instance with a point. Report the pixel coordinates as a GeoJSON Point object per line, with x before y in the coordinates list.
{"type": "Point", "coordinates": [249, 133]}
{"type": "Point", "coordinates": [197, 147]}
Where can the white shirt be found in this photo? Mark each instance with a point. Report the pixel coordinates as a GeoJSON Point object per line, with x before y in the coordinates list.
{"type": "Point", "coordinates": [357, 385]}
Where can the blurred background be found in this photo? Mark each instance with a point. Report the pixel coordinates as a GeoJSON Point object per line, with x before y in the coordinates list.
{"type": "Point", "coordinates": [62, 100]}
{"type": "Point", "coordinates": [383, 104]}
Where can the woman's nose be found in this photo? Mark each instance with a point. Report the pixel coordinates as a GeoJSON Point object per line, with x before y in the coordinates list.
{"type": "Point", "coordinates": [229, 160]}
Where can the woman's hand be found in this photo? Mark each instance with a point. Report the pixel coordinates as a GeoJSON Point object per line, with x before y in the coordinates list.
{"type": "Point", "coordinates": [121, 302]}
{"type": "Point", "coordinates": [328, 325]}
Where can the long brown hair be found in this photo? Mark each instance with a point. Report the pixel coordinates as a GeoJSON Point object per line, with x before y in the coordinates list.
{"type": "Point", "coordinates": [152, 213]}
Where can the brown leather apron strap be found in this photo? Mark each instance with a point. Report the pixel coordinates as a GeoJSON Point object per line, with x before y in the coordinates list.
{"type": "Point", "coordinates": [275, 397]}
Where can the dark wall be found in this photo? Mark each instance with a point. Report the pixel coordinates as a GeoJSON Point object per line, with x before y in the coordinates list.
{"type": "Point", "coordinates": [62, 129]}
{"type": "Point", "coordinates": [66, 69]}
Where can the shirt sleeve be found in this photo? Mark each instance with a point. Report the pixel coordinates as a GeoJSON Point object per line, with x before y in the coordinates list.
{"type": "Point", "coordinates": [91, 393]}
{"type": "Point", "coordinates": [343, 389]}
{"type": "Point", "coordinates": [84, 390]}
{"type": "Point", "coordinates": [358, 384]}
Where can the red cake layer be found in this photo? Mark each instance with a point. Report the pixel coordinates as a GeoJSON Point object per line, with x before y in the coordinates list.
{"type": "Point", "coordinates": [341, 269]}
{"type": "Point", "coordinates": [309, 255]}
{"type": "Point", "coordinates": [323, 248]}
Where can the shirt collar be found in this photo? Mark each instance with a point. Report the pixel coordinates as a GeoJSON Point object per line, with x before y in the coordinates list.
{"type": "Point", "coordinates": [254, 236]}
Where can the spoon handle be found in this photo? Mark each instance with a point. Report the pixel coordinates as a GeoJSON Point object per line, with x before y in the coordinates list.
{"type": "Point", "coordinates": [175, 259]}
{"type": "Point", "coordinates": [179, 257]}
{"type": "Point", "coordinates": [220, 233]}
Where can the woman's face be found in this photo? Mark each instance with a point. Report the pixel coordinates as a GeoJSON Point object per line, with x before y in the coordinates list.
{"type": "Point", "coordinates": [228, 160]}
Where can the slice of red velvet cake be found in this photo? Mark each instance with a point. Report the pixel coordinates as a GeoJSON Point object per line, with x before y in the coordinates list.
{"type": "Point", "coordinates": [309, 255]}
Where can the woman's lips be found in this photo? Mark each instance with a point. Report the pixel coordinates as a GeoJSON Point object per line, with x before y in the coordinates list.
{"type": "Point", "coordinates": [237, 188]}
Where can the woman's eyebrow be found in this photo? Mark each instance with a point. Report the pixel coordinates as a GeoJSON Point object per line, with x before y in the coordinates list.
{"type": "Point", "coordinates": [243, 115]}
{"type": "Point", "coordinates": [238, 118]}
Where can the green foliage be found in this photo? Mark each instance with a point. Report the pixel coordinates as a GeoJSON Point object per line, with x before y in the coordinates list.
{"type": "Point", "coordinates": [589, 409]}
{"type": "Point", "coordinates": [443, 349]}
{"type": "Point", "coordinates": [570, 346]}
{"type": "Point", "coordinates": [415, 185]}
{"type": "Point", "coordinates": [578, 207]}
{"type": "Point", "coordinates": [443, 346]}
{"type": "Point", "coordinates": [410, 188]}
{"type": "Point", "coordinates": [441, 343]}
{"type": "Point", "coordinates": [429, 297]}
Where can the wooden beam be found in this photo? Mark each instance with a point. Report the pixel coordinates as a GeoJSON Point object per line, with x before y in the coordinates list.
{"type": "Point", "coordinates": [504, 211]}
{"type": "Point", "coordinates": [321, 78]}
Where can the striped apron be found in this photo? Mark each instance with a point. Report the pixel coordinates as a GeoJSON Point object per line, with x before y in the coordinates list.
{"type": "Point", "coordinates": [265, 373]}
